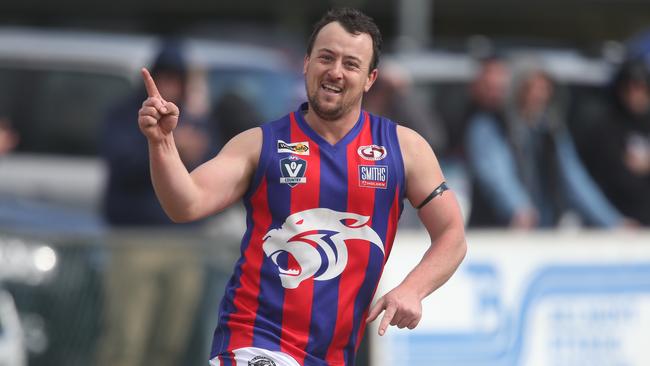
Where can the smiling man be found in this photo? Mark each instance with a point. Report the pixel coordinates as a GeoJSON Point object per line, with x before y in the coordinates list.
{"type": "Point", "coordinates": [323, 188]}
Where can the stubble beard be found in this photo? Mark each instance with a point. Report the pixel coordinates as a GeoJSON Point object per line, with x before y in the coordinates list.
{"type": "Point", "coordinates": [330, 114]}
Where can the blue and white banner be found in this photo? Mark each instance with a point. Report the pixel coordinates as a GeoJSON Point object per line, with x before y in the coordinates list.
{"type": "Point", "coordinates": [522, 299]}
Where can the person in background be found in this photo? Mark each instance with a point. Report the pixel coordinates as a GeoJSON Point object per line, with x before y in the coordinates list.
{"type": "Point", "coordinates": [8, 136]}
{"type": "Point", "coordinates": [153, 286]}
{"type": "Point", "coordinates": [129, 199]}
{"type": "Point", "coordinates": [526, 170]}
{"type": "Point", "coordinates": [393, 95]}
{"type": "Point", "coordinates": [233, 114]}
{"type": "Point", "coordinates": [617, 147]}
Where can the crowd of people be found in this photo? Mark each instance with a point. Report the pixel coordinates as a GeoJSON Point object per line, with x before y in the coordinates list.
{"type": "Point", "coordinates": [529, 165]}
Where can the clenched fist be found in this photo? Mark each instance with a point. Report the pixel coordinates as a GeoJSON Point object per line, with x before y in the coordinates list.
{"type": "Point", "coordinates": [157, 118]}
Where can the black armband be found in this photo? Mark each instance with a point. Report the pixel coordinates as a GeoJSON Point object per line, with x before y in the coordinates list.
{"type": "Point", "coordinates": [436, 192]}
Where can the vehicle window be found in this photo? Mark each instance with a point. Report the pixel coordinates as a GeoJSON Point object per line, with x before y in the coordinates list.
{"type": "Point", "coordinates": [58, 112]}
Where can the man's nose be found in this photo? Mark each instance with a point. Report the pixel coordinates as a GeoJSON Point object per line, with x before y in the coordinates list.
{"type": "Point", "coordinates": [336, 70]}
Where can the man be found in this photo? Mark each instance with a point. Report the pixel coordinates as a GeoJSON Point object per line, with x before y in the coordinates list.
{"type": "Point", "coordinates": [486, 116]}
{"type": "Point", "coordinates": [129, 199]}
{"type": "Point", "coordinates": [616, 146]}
{"type": "Point", "coordinates": [323, 188]}
{"type": "Point", "coordinates": [524, 165]}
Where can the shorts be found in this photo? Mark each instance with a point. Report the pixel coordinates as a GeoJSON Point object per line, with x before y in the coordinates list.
{"type": "Point", "coordinates": [252, 356]}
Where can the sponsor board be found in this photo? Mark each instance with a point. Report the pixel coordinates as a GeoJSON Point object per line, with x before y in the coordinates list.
{"type": "Point", "coordinates": [533, 299]}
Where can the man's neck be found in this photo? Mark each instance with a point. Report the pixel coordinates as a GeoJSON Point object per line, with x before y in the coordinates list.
{"type": "Point", "coordinates": [332, 131]}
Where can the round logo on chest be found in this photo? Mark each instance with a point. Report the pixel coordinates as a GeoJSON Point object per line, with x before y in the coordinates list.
{"type": "Point", "coordinates": [372, 152]}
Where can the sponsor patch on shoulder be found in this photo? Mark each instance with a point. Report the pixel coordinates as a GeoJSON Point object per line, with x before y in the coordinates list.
{"type": "Point", "coordinates": [373, 176]}
{"type": "Point", "coordinates": [298, 148]}
{"type": "Point", "coordinates": [372, 152]}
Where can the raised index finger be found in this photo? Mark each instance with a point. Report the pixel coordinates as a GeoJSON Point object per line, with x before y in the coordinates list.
{"type": "Point", "coordinates": [152, 90]}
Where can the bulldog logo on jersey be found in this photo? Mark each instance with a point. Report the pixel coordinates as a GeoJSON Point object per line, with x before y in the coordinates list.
{"type": "Point", "coordinates": [312, 243]}
{"type": "Point", "coordinates": [372, 152]}
{"type": "Point", "coordinates": [293, 171]}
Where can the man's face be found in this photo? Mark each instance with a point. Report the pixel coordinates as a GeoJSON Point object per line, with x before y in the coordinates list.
{"type": "Point", "coordinates": [636, 97]}
{"type": "Point", "coordinates": [171, 86]}
{"type": "Point", "coordinates": [492, 85]}
{"type": "Point", "coordinates": [337, 71]}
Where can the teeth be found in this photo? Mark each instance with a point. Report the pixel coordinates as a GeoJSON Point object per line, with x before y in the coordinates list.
{"type": "Point", "coordinates": [332, 88]}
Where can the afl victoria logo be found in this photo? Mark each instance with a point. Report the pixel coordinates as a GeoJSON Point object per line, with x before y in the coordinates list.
{"type": "Point", "coordinates": [372, 152]}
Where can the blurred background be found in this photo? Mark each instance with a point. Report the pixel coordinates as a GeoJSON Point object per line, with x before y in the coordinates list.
{"type": "Point", "coordinates": [539, 113]}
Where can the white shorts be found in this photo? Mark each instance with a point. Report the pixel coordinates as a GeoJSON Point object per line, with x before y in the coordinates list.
{"type": "Point", "coordinates": [252, 356]}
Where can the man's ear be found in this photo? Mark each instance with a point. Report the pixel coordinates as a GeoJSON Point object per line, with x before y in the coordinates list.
{"type": "Point", "coordinates": [372, 77]}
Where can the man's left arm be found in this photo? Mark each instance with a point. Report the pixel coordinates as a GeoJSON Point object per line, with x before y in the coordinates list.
{"type": "Point", "coordinates": [442, 218]}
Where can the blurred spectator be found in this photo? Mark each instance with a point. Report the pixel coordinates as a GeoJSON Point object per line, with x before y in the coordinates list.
{"type": "Point", "coordinates": [146, 283]}
{"type": "Point", "coordinates": [392, 95]}
{"type": "Point", "coordinates": [617, 146]}
{"type": "Point", "coordinates": [232, 115]}
{"type": "Point", "coordinates": [526, 171]}
{"type": "Point", "coordinates": [8, 136]}
{"type": "Point", "coordinates": [130, 199]}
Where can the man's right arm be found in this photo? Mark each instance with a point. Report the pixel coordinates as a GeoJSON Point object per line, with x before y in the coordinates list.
{"type": "Point", "coordinates": [212, 186]}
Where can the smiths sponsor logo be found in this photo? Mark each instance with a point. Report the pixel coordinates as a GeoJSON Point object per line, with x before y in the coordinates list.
{"type": "Point", "coordinates": [298, 148]}
{"type": "Point", "coordinates": [293, 171]}
{"type": "Point", "coordinates": [372, 152]}
{"type": "Point", "coordinates": [373, 176]}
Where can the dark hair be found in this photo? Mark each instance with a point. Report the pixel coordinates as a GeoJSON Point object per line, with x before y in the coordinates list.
{"type": "Point", "coordinates": [170, 59]}
{"type": "Point", "coordinates": [635, 70]}
{"type": "Point", "coordinates": [630, 71]}
{"type": "Point", "coordinates": [354, 22]}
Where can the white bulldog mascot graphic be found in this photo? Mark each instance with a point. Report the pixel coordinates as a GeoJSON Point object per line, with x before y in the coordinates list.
{"type": "Point", "coordinates": [311, 243]}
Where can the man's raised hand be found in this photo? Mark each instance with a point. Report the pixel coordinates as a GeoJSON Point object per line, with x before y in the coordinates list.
{"type": "Point", "coordinates": [157, 118]}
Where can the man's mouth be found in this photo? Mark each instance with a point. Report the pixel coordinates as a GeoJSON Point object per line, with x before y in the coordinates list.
{"type": "Point", "coordinates": [331, 88]}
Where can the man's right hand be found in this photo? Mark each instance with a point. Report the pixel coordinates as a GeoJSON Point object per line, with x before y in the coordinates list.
{"type": "Point", "coordinates": [157, 118]}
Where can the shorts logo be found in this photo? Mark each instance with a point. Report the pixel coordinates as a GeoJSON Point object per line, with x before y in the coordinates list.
{"type": "Point", "coordinates": [261, 361]}
{"type": "Point", "coordinates": [298, 148]}
{"type": "Point", "coordinates": [373, 176]}
{"type": "Point", "coordinates": [372, 152]}
{"type": "Point", "coordinates": [293, 171]}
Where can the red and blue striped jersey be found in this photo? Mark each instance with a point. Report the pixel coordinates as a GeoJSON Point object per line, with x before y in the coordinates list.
{"type": "Point", "coordinates": [321, 220]}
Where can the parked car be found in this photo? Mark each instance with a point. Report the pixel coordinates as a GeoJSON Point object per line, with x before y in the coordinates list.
{"type": "Point", "coordinates": [56, 86]}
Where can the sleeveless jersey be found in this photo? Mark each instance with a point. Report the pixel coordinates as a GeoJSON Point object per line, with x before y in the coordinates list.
{"type": "Point", "coordinates": [321, 220]}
